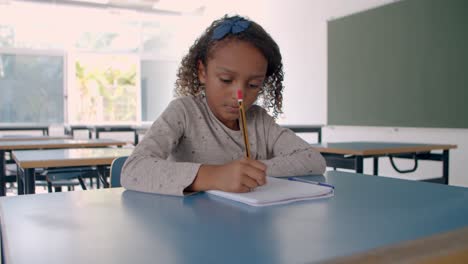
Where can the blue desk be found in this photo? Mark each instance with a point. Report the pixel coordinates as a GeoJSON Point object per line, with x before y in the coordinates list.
{"type": "Point", "coordinates": [8, 146]}
{"type": "Point", "coordinates": [29, 161]}
{"type": "Point", "coordinates": [351, 155]}
{"type": "Point", "coordinates": [117, 226]}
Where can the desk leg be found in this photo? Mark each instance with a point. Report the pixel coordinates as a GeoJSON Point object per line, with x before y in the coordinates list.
{"type": "Point", "coordinates": [20, 180]}
{"type": "Point", "coordinates": [102, 176]}
{"type": "Point", "coordinates": [30, 181]}
{"type": "Point", "coordinates": [2, 173]}
{"type": "Point", "coordinates": [320, 136]}
{"type": "Point", "coordinates": [98, 179]}
{"type": "Point", "coordinates": [136, 138]}
{"type": "Point", "coordinates": [445, 172]}
{"type": "Point", "coordinates": [90, 134]}
{"type": "Point", "coordinates": [359, 164]}
{"type": "Point", "coordinates": [376, 166]}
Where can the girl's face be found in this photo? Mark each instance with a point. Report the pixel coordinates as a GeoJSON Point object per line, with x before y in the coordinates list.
{"type": "Point", "coordinates": [233, 65]}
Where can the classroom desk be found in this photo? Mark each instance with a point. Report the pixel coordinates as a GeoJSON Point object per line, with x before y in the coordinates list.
{"type": "Point", "coordinates": [141, 129]}
{"type": "Point", "coordinates": [30, 137]}
{"type": "Point", "coordinates": [29, 160]}
{"type": "Point", "coordinates": [8, 146]}
{"type": "Point", "coordinates": [25, 127]}
{"type": "Point", "coordinates": [306, 129]}
{"type": "Point", "coordinates": [447, 248]}
{"type": "Point", "coordinates": [117, 226]}
{"type": "Point", "coordinates": [99, 129]}
{"type": "Point", "coordinates": [116, 128]}
{"type": "Point", "coordinates": [70, 129]}
{"type": "Point", "coordinates": [351, 155]}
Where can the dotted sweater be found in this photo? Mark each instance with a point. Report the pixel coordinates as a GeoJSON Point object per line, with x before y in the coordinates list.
{"type": "Point", "coordinates": [187, 134]}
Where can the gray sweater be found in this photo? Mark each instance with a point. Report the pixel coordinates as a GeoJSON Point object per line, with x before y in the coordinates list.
{"type": "Point", "coordinates": [187, 135]}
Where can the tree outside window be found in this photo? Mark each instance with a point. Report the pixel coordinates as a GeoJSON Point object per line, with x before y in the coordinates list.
{"type": "Point", "coordinates": [106, 89]}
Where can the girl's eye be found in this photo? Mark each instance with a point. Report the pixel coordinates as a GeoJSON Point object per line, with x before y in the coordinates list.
{"type": "Point", "coordinates": [254, 86]}
{"type": "Point", "coordinates": [226, 80]}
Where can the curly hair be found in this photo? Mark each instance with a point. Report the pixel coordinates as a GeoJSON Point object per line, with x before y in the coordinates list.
{"type": "Point", "coordinates": [271, 94]}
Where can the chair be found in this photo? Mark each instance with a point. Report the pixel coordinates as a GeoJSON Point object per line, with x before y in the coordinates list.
{"type": "Point", "coordinates": [54, 178]}
{"type": "Point", "coordinates": [115, 170]}
{"type": "Point", "coordinates": [67, 177]}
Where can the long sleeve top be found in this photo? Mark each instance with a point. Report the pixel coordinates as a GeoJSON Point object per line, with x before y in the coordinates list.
{"type": "Point", "coordinates": [187, 134]}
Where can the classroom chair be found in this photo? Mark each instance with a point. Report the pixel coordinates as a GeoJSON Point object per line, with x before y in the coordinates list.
{"type": "Point", "coordinates": [67, 177]}
{"type": "Point", "coordinates": [115, 170]}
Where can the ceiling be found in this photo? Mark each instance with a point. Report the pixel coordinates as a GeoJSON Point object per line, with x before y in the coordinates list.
{"type": "Point", "coordinates": [167, 7]}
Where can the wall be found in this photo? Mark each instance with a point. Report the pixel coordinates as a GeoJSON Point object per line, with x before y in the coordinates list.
{"type": "Point", "coordinates": [300, 28]}
{"type": "Point", "coordinates": [158, 78]}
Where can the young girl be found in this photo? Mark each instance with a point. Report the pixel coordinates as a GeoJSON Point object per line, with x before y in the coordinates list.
{"type": "Point", "coordinates": [196, 143]}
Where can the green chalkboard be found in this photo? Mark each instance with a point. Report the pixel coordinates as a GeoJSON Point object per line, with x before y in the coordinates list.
{"type": "Point", "coordinates": [404, 64]}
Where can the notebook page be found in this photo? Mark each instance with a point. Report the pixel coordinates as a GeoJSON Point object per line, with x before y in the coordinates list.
{"type": "Point", "coordinates": [278, 191]}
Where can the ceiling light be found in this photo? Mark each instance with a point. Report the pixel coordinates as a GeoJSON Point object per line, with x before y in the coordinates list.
{"type": "Point", "coordinates": [101, 2]}
{"type": "Point", "coordinates": [184, 6]}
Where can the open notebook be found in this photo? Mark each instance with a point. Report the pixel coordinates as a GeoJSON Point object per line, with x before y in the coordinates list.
{"type": "Point", "coordinates": [278, 191]}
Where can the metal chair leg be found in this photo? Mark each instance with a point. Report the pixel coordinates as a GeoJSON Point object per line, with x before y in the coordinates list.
{"type": "Point", "coordinates": [80, 179]}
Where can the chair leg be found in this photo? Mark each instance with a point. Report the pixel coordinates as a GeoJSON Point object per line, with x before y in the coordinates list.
{"type": "Point", "coordinates": [80, 179]}
{"type": "Point", "coordinates": [49, 187]}
{"type": "Point", "coordinates": [98, 181]}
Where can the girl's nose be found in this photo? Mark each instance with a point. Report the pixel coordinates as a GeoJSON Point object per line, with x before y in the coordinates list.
{"type": "Point", "coordinates": [234, 92]}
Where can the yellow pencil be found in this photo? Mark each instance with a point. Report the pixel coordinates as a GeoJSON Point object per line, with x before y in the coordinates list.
{"type": "Point", "coordinates": [243, 123]}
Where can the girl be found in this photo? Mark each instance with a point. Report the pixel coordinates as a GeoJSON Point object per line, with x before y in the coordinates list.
{"type": "Point", "coordinates": [196, 143]}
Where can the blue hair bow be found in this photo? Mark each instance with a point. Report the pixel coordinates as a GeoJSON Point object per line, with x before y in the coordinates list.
{"type": "Point", "coordinates": [233, 25]}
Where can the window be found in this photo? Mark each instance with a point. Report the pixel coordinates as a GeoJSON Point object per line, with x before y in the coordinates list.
{"type": "Point", "coordinates": [75, 64]}
{"type": "Point", "coordinates": [31, 86]}
{"type": "Point", "coordinates": [107, 88]}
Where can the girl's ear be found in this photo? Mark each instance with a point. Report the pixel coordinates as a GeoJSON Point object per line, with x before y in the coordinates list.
{"type": "Point", "coordinates": [201, 72]}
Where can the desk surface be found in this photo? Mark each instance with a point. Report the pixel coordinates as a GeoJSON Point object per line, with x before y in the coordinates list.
{"type": "Point", "coordinates": [63, 143]}
{"type": "Point", "coordinates": [68, 157]}
{"type": "Point", "coordinates": [29, 137]}
{"type": "Point", "coordinates": [116, 226]}
{"type": "Point", "coordinates": [377, 148]}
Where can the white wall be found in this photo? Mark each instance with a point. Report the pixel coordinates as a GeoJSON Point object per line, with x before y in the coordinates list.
{"type": "Point", "coordinates": [300, 28]}
{"type": "Point", "coordinates": [160, 76]}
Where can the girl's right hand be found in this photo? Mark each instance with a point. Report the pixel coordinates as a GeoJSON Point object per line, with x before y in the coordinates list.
{"type": "Point", "coordinates": [237, 176]}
